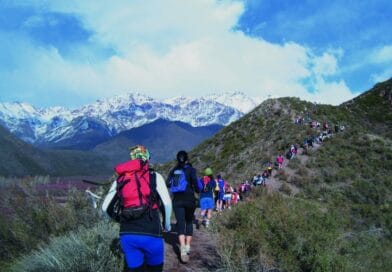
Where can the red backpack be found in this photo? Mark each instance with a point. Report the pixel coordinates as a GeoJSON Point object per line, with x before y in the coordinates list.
{"type": "Point", "coordinates": [206, 180]}
{"type": "Point", "coordinates": [136, 188]}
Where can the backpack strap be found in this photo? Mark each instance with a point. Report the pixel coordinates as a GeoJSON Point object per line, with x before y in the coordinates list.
{"type": "Point", "coordinates": [152, 198]}
{"type": "Point", "coordinates": [153, 187]}
{"type": "Point", "coordinates": [139, 191]}
{"type": "Point", "coordinates": [119, 187]}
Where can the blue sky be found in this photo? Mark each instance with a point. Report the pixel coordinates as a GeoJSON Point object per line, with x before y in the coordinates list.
{"type": "Point", "coordinates": [73, 52]}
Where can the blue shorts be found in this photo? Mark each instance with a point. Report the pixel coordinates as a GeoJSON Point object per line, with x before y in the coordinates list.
{"type": "Point", "coordinates": [207, 203]}
{"type": "Point", "coordinates": [221, 194]}
{"type": "Point", "coordinates": [138, 248]}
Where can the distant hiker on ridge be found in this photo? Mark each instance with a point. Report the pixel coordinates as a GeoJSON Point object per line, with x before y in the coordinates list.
{"type": "Point", "coordinates": [182, 181]}
{"type": "Point", "coordinates": [280, 160]}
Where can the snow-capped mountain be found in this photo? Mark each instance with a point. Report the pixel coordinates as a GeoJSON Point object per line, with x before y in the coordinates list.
{"type": "Point", "coordinates": [111, 116]}
{"type": "Point", "coordinates": [237, 100]}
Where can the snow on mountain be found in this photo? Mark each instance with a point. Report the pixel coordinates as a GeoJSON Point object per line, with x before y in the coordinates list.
{"type": "Point", "coordinates": [237, 100]}
{"type": "Point", "coordinates": [121, 113]}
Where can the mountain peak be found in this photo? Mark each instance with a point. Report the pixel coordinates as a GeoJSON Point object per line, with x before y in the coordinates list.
{"type": "Point", "coordinates": [123, 112]}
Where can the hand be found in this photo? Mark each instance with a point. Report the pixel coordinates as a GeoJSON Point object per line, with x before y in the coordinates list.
{"type": "Point", "coordinates": [168, 227]}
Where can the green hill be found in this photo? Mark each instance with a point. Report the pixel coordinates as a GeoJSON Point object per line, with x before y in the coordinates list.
{"type": "Point", "coordinates": [340, 218]}
{"type": "Point", "coordinates": [19, 159]}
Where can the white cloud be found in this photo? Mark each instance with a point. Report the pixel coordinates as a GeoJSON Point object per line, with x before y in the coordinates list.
{"type": "Point", "coordinates": [168, 48]}
{"type": "Point", "coordinates": [382, 55]}
{"type": "Point", "coordinates": [379, 77]}
{"type": "Point", "coordinates": [325, 65]}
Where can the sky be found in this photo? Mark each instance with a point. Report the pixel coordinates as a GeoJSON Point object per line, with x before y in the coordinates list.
{"type": "Point", "coordinates": [72, 52]}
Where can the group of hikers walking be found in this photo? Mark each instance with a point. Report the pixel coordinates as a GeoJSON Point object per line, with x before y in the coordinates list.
{"type": "Point", "coordinates": [139, 194]}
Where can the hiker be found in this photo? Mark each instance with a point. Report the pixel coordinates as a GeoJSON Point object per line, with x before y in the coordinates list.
{"type": "Point", "coordinates": [244, 190]}
{"type": "Point", "coordinates": [227, 196]}
{"type": "Point", "coordinates": [221, 185]}
{"type": "Point", "coordinates": [269, 169]}
{"type": "Point", "coordinates": [257, 180]}
{"type": "Point", "coordinates": [336, 128]}
{"type": "Point", "coordinates": [248, 187]}
{"type": "Point", "coordinates": [206, 186]}
{"type": "Point", "coordinates": [309, 142]}
{"type": "Point", "coordinates": [293, 150]}
{"type": "Point", "coordinates": [265, 175]}
{"type": "Point", "coordinates": [241, 189]}
{"type": "Point", "coordinates": [235, 197]}
{"type": "Point", "coordinates": [140, 225]}
{"type": "Point", "coordinates": [182, 181]}
{"type": "Point", "coordinates": [280, 160]}
{"type": "Point", "coordinates": [216, 194]}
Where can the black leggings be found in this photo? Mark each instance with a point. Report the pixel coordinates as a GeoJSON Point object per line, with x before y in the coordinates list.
{"type": "Point", "coordinates": [184, 211]}
{"type": "Point", "coordinates": [147, 268]}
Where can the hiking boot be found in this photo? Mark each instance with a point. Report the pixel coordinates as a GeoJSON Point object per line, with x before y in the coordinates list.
{"type": "Point", "coordinates": [188, 249]}
{"type": "Point", "coordinates": [184, 255]}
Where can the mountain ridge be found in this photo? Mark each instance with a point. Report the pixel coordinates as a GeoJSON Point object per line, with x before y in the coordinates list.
{"type": "Point", "coordinates": [331, 209]}
{"type": "Point", "coordinates": [119, 113]}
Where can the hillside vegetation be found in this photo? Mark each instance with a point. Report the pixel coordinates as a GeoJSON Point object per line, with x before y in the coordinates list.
{"type": "Point", "coordinates": [341, 219]}
{"type": "Point", "coordinates": [19, 158]}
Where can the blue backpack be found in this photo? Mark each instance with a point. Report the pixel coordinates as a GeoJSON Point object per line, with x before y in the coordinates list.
{"type": "Point", "coordinates": [178, 182]}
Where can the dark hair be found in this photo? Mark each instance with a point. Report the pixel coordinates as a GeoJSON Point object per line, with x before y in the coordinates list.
{"type": "Point", "coordinates": [182, 156]}
{"type": "Point", "coordinates": [218, 176]}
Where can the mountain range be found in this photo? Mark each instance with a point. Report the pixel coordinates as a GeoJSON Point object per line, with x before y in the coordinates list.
{"type": "Point", "coordinates": [85, 127]}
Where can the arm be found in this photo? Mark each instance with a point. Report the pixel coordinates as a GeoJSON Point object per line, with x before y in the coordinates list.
{"type": "Point", "coordinates": [164, 194]}
{"type": "Point", "coordinates": [194, 180]}
{"type": "Point", "coordinates": [213, 184]}
{"type": "Point", "coordinates": [169, 177]}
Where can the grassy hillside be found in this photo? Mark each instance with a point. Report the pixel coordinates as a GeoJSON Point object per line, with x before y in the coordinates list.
{"type": "Point", "coordinates": [19, 159]}
{"type": "Point", "coordinates": [341, 219]}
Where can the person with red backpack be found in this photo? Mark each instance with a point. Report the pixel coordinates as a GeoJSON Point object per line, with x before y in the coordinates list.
{"type": "Point", "coordinates": [139, 189]}
{"type": "Point", "coordinates": [207, 185]}
{"type": "Point", "coordinates": [183, 184]}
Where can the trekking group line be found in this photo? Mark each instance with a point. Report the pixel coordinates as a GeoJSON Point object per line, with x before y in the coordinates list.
{"type": "Point", "coordinates": [139, 197]}
{"type": "Point", "coordinates": [139, 194]}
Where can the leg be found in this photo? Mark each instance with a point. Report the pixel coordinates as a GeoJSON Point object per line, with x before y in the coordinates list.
{"type": "Point", "coordinates": [134, 256]}
{"type": "Point", "coordinates": [179, 211]}
{"type": "Point", "coordinates": [189, 214]}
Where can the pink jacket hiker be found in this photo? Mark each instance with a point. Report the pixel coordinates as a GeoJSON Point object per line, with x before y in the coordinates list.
{"type": "Point", "coordinates": [279, 159]}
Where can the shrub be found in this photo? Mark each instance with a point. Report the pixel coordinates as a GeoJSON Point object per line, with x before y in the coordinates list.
{"type": "Point", "coordinates": [285, 189]}
{"type": "Point", "coordinates": [275, 231]}
{"type": "Point", "coordinates": [87, 249]}
{"type": "Point", "coordinates": [29, 217]}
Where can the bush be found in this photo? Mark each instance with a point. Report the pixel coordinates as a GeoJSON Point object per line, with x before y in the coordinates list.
{"type": "Point", "coordinates": [275, 231]}
{"type": "Point", "coordinates": [29, 217]}
{"type": "Point", "coordinates": [87, 249]}
{"type": "Point", "coordinates": [285, 189]}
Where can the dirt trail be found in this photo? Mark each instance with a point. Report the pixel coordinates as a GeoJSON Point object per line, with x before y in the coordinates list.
{"type": "Point", "coordinates": [203, 257]}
